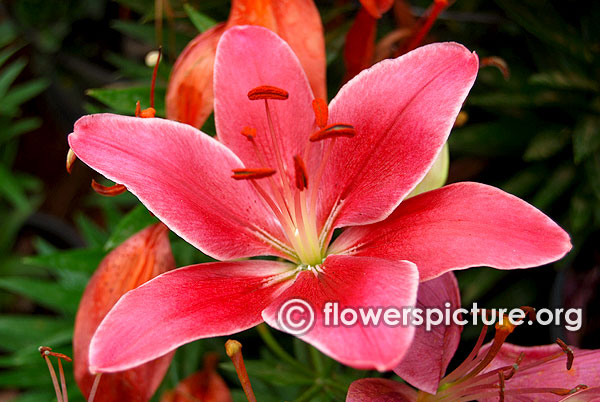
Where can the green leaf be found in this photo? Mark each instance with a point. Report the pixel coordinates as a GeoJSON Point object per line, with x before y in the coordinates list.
{"type": "Point", "coordinates": [9, 74]}
{"type": "Point", "coordinates": [586, 138]}
{"type": "Point", "coordinates": [274, 373]}
{"type": "Point", "coordinates": [19, 127]}
{"type": "Point", "coordinates": [122, 100]}
{"type": "Point", "coordinates": [18, 332]}
{"type": "Point", "coordinates": [78, 260]}
{"type": "Point", "coordinates": [132, 223]}
{"type": "Point", "coordinates": [46, 293]}
{"type": "Point", "coordinates": [20, 94]}
{"type": "Point", "coordinates": [545, 144]}
{"type": "Point", "coordinates": [93, 234]}
{"type": "Point", "coordinates": [201, 21]}
{"type": "Point", "coordinates": [564, 80]}
{"type": "Point", "coordinates": [11, 190]}
{"type": "Point", "coordinates": [555, 186]}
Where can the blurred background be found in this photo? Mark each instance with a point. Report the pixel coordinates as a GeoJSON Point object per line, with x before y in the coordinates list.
{"type": "Point", "coordinates": [534, 133]}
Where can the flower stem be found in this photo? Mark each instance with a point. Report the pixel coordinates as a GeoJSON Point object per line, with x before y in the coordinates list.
{"type": "Point", "coordinates": [272, 344]}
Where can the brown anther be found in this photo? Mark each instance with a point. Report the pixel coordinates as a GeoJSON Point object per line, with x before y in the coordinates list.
{"type": "Point", "coordinates": [319, 106]}
{"type": "Point", "coordinates": [333, 130]}
{"type": "Point", "coordinates": [109, 191]}
{"type": "Point", "coordinates": [267, 92]}
{"type": "Point", "coordinates": [301, 175]}
{"type": "Point", "coordinates": [570, 355]}
{"type": "Point", "coordinates": [529, 312]}
{"type": "Point", "coordinates": [251, 173]}
{"type": "Point", "coordinates": [249, 133]}
{"type": "Point", "coordinates": [44, 350]}
{"type": "Point", "coordinates": [500, 64]}
{"type": "Point", "coordinates": [501, 385]}
{"type": "Point", "coordinates": [71, 158]}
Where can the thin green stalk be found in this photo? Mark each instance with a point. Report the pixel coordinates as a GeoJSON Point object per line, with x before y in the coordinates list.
{"type": "Point", "coordinates": [272, 344]}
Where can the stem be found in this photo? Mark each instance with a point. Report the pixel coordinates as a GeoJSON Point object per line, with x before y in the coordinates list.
{"type": "Point", "coordinates": [309, 393]}
{"type": "Point", "coordinates": [272, 344]}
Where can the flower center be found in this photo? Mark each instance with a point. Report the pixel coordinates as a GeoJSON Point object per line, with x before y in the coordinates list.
{"type": "Point", "coordinates": [294, 202]}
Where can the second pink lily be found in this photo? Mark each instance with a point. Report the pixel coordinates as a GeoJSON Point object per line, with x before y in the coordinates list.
{"type": "Point", "coordinates": [285, 172]}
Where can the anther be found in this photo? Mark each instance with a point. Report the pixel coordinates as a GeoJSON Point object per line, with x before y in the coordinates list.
{"type": "Point", "coordinates": [267, 92]}
{"type": "Point", "coordinates": [333, 130]}
{"type": "Point", "coordinates": [109, 191]}
{"type": "Point", "coordinates": [565, 348]}
{"type": "Point", "coordinates": [146, 113]}
{"type": "Point", "coordinates": [249, 133]}
{"type": "Point", "coordinates": [301, 175]}
{"type": "Point", "coordinates": [321, 112]}
{"type": "Point", "coordinates": [252, 173]}
{"type": "Point", "coordinates": [71, 158]}
{"type": "Point", "coordinates": [234, 350]}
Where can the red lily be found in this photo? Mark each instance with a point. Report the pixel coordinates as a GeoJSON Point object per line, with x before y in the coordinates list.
{"type": "Point", "coordinates": [190, 90]}
{"type": "Point", "coordinates": [301, 170]}
{"type": "Point", "coordinates": [140, 258]}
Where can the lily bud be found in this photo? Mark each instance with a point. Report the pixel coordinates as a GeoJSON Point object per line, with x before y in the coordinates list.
{"type": "Point", "coordinates": [206, 386]}
{"type": "Point", "coordinates": [190, 90]}
{"type": "Point", "coordinates": [139, 259]}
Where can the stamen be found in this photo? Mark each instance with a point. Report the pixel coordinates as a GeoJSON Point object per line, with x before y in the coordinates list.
{"type": "Point", "coordinates": [501, 375]}
{"type": "Point", "coordinates": [108, 191]}
{"type": "Point", "coordinates": [333, 131]}
{"type": "Point", "coordinates": [249, 133]}
{"type": "Point", "coordinates": [45, 352]}
{"type": "Point", "coordinates": [94, 387]}
{"type": "Point", "coordinates": [251, 173]}
{"type": "Point", "coordinates": [234, 350]}
{"type": "Point", "coordinates": [71, 158]}
{"type": "Point", "coordinates": [321, 112]}
{"type": "Point", "coordinates": [301, 175]}
{"type": "Point", "coordinates": [500, 64]}
{"type": "Point", "coordinates": [515, 366]}
{"type": "Point", "coordinates": [153, 85]}
{"type": "Point", "coordinates": [425, 25]}
{"type": "Point", "coordinates": [568, 351]}
{"type": "Point", "coordinates": [267, 92]}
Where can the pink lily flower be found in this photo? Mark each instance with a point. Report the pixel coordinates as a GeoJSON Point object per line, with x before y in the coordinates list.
{"type": "Point", "coordinates": [506, 373]}
{"type": "Point", "coordinates": [301, 170]}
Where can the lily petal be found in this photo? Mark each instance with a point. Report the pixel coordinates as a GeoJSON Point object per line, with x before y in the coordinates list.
{"type": "Point", "coordinates": [431, 351]}
{"type": "Point", "coordinates": [380, 390]}
{"type": "Point", "coordinates": [184, 177]}
{"type": "Point", "coordinates": [551, 374]}
{"type": "Point", "coordinates": [402, 110]}
{"type": "Point", "coordinates": [190, 91]}
{"type": "Point", "coordinates": [198, 301]}
{"type": "Point", "coordinates": [355, 282]}
{"type": "Point", "coordinates": [249, 57]}
{"type": "Point", "coordinates": [460, 226]}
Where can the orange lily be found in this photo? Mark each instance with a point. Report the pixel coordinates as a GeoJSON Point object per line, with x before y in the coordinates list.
{"type": "Point", "coordinates": [139, 259]}
{"type": "Point", "coordinates": [190, 90]}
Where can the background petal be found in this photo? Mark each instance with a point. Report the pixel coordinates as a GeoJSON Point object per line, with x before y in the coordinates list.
{"type": "Point", "coordinates": [431, 351]}
{"type": "Point", "coordinates": [552, 374]}
{"type": "Point", "coordinates": [355, 282]}
{"type": "Point", "coordinates": [199, 301]}
{"type": "Point", "coordinates": [403, 110]}
{"type": "Point", "coordinates": [184, 177]}
{"type": "Point", "coordinates": [380, 390]}
{"type": "Point", "coordinates": [460, 226]}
